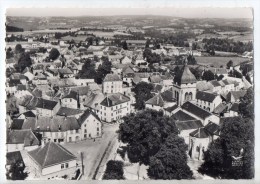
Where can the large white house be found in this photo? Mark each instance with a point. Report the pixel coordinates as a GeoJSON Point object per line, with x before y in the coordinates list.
{"type": "Point", "coordinates": [208, 101]}
{"type": "Point", "coordinates": [112, 84]}
{"type": "Point", "coordinates": [114, 107]}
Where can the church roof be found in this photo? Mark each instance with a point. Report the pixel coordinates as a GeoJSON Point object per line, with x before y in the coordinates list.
{"type": "Point", "coordinates": [185, 76]}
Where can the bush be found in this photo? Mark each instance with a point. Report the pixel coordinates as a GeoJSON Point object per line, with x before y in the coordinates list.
{"type": "Point", "coordinates": [114, 170]}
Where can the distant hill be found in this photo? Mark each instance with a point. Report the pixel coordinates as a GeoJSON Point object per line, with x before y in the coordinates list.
{"type": "Point", "coordinates": [13, 29]}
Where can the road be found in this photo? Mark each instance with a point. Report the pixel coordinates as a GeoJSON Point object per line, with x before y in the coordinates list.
{"type": "Point", "coordinates": [94, 152]}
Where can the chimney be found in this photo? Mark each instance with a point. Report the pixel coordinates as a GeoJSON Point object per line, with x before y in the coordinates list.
{"type": "Point", "coordinates": [157, 99]}
{"type": "Point", "coordinates": [199, 132]}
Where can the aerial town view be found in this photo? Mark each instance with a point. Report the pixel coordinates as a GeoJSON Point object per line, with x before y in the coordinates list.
{"type": "Point", "coordinates": [129, 97]}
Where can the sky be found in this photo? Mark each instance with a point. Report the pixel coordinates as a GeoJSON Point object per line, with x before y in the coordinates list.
{"type": "Point", "coordinates": [200, 12]}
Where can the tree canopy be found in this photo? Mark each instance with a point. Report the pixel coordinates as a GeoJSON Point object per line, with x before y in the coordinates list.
{"type": "Point", "coordinates": [236, 139]}
{"type": "Point", "coordinates": [246, 106]}
{"type": "Point", "coordinates": [142, 94]}
{"type": "Point", "coordinates": [144, 133]}
{"type": "Point", "coordinates": [208, 75]}
{"type": "Point", "coordinates": [88, 70]}
{"type": "Point", "coordinates": [54, 54]}
{"type": "Point", "coordinates": [114, 170]}
{"type": "Point", "coordinates": [170, 162]}
{"type": "Point", "coordinates": [229, 64]}
{"type": "Point", "coordinates": [16, 171]}
{"type": "Point", "coordinates": [103, 70]}
{"type": "Point", "coordinates": [24, 61]}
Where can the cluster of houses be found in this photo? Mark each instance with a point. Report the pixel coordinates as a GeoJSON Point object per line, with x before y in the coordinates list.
{"type": "Point", "coordinates": [55, 107]}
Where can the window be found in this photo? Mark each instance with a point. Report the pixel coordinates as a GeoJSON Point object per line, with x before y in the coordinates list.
{"type": "Point", "coordinates": [97, 128]}
{"type": "Point", "coordinates": [62, 166]}
{"type": "Point", "coordinates": [77, 131]}
{"type": "Point", "coordinates": [85, 135]}
{"type": "Point", "coordinates": [67, 165]}
{"type": "Point", "coordinates": [85, 125]}
{"type": "Point", "coordinates": [104, 108]}
{"type": "Point", "coordinates": [209, 103]}
{"type": "Point", "coordinates": [111, 114]}
{"type": "Point", "coordinates": [70, 100]}
{"type": "Point", "coordinates": [85, 131]}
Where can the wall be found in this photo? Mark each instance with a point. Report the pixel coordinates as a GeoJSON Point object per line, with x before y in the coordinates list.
{"type": "Point", "coordinates": [93, 128]}
{"type": "Point", "coordinates": [69, 102]}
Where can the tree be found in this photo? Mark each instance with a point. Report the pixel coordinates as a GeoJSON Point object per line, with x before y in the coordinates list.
{"type": "Point", "coordinates": [18, 49]}
{"type": "Point", "coordinates": [191, 60]}
{"type": "Point", "coordinates": [208, 75]}
{"type": "Point", "coordinates": [124, 45]}
{"type": "Point", "coordinates": [171, 161]}
{"type": "Point", "coordinates": [220, 77]}
{"type": "Point", "coordinates": [236, 139]}
{"type": "Point", "coordinates": [114, 170]}
{"type": "Point", "coordinates": [88, 70]}
{"type": "Point", "coordinates": [229, 64]}
{"type": "Point", "coordinates": [246, 106]}
{"type": "Point", "coordinates": [16, 171]}
{"type": "Point", "coordinates": [142, 94]}
{"type": "Point", "coordinates": [144, 133]}
{"type": "Point", "coordinates": [24, 61]}
{"type": "Point", "coordinates": [196, 72]}
{"type": "Point", "coordinates": [54, 54]}
{"type": "Point", "coordinates": [103, 70]}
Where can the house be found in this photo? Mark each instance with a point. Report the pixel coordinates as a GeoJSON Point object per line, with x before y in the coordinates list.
{"type": "Point", "coordinates": [11, 86]}
{"type": "Point", "coordinates": [199, 113]}
{"type": "Point", "coordinates": [125, 60]}
{"type": "Point", "coordinates": [113, 107]}
{"type": "Point", "coordinates": [27, 72]}
{"type": "Point", "coordinates": [155, 79]}
{"type": "Point", "coordinates": [112, 84]}
{"type": "Point", "coordinates": [51, 160]}
{"type": "Point", "coordinates": [47, 108]}
{"type": "Point", "coordinates": [161, 101]}
{"type": "Point", "coordinates": [70, 100]}
{"type": "Point", "coordinates": [217, 87]}
{"type": "Point", "coordinates": [233, 110]}
{"type": "Point", "coordinates": [141, 77]}
{"type": "Point", "coordinates": [17, 140]}
{"type": "Point", "coordinates": [93, 102]}
{"type": "Point", "coordinates": [207, 101]}
{"type": "Point", "coordinates": [234, 96]}
{"type": "Point", "coordinates": [65, 73]}
{"type": "Point", "coordinates": [91, 126]}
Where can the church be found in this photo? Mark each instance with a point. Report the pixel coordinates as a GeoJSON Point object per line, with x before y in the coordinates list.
{"type": "Point", "coordinates": [184, 86]}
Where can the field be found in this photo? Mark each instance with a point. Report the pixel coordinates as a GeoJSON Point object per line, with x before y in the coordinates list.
{"type": "Point", "coordinates": [218, 61]}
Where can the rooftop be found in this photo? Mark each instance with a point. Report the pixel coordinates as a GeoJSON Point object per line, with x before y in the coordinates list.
{"type": "Point", "coordinates": [197, 111]}
{"type": "Point", "coordinates": [51, 154]}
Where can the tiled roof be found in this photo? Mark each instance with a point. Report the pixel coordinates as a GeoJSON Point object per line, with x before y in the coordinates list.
{"type": "Point", "coordinates": [71, 94]}
{"type": "Point", "coordinates": [94, 100]}
{"type": "Point", "coordinates": [236, 94]}
{"type": "Point", "coordinates": [46, 104]}
{"type": "Point", "coordinates": [29, 114]}
{"type": "Point", "coordinates": [182, 116]}
{"type": "Point", "coordinates": [82, 90]}
{"type": "Point", "coordinates": [21, 87]}
{"type": "Point", "coordinates": [189, 124]}
{"type": "Point", "coordinates": [65, 71]}
{"type": "Point", "coordinates": [204, 86]}
{"type": "Point", "coordinates": [155, 79]}
{"type": "Point", "coordinates": [197, 111]}
{"type": "Point", "coordinates": [220, 108]}
{"type": "Point", "coordinates": [85, 115]}
{"type": "Point", "coordinates": [172, 108]}
{"type": "Point", "coordinates": [215, 83]}
{"type": "Point", "coordinates": [205, 96]}
{"type": "Point", "coordinates": [213, 128]}
{"type": "Point", "coordinates": [234, 107]}
{"type": "Point", "coordinates": [14, 82]}
{"type": "Point", "coordinates": [185, 76]}
{"type": "Point", "coordinates": [156, 100]}
{"type": "Point", "coordinates": [114, 99]}
{"type": "Point", "coordinates": [65, 111]}
{"type": "Point", "coordinates": [200, 133]}
{"type": "Point", "coordinates": [26, 137]}
{"type": "Point", "coordinates": [111, 77]}
{"type": "Point", "coordinates": [51, 154]}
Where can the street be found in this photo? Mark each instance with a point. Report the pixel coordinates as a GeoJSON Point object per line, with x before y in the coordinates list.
{"type": "Point", "coordinates": [94, 151]}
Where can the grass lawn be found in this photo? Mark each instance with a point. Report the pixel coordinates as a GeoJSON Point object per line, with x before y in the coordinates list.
{"type": "Point", "coordinates": [218, 61]}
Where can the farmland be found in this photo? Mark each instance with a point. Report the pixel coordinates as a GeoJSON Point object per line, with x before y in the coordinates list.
{"type": "Point", "coordinates": [218, 61]}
